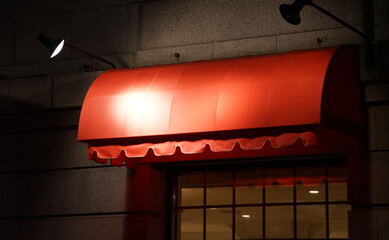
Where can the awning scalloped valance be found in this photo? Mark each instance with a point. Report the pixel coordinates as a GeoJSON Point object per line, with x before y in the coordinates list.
{"type": "Point", "coordinates": [192, 147]}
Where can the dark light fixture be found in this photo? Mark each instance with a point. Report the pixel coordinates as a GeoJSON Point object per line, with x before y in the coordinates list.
{"type": "Point", "coordinates": [56, 45]}
{"type": "Point", "coordinates": [291, 13]}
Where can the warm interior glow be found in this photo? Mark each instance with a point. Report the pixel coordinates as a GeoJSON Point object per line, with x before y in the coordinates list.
{"type": "Point", "coordinates": [283, 211]}
{"type": "Point", "coordinates": [58, 49]}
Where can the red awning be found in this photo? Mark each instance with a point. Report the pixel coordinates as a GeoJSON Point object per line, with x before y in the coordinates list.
{"type": "Point", "coordinates": [221, 103]}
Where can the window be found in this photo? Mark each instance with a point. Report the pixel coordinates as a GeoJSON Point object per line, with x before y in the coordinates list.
{"type": "Point", "coordinates": [265, 203]}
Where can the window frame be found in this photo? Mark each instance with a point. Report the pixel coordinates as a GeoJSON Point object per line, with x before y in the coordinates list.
{"type": "Point", "coordinates": [297, 164]}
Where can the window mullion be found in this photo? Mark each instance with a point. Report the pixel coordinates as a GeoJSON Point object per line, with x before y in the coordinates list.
{"type": "Point", "coordinates": [327, 208]}
{"type": "Point", "coordinates": [294, 205]}
{"type": "Point", "coordinates": [204, 207]}
{"type": "Point", "coordinates": [263, 205]}
{"type": "Point", "coordinates": [233, 205]}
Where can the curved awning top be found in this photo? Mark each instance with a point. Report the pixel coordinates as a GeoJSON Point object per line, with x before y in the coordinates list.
{"type": "Point", "coordinates": [291, 89]}
{"type": "Point", "coordinates": [206, 96]}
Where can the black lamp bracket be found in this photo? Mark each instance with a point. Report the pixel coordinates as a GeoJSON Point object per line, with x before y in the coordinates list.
{"type": "Point", "coordinates": [52, 45]}
{"type": "Point", "coordinates": [90, 54]}
{"type": "Point", "coordinates": [310, 3]}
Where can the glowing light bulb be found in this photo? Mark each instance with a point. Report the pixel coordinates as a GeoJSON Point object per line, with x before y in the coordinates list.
{"type": "Point", "coordinates": [314, 192]}
{"type": "Point", "coordinates": [58, 49]}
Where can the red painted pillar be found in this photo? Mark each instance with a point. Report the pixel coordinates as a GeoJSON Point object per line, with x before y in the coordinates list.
{"type": "Point", "coordinates": [147, 204]}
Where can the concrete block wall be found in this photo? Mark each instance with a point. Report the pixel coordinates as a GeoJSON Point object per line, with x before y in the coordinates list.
{"type": "Point", "coordinates": [371, 220]}
{"type": "Point", "coordinates": [48, 187]}
{"type": "Point", "coordinates": [134, 33]}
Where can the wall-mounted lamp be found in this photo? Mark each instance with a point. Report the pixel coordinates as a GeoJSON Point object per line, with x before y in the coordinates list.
{"type": "Point", "coordinates": [55, 46]}
{"type": "Point", "coordinates": [291, 13]}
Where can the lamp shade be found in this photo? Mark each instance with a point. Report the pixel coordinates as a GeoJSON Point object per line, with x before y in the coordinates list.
{"type": "Point", "coordinates": [291, 12]}
{"type": "Point", "coordinates": [54, 45]}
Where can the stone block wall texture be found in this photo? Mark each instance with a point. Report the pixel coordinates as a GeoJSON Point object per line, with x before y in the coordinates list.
{"type": "Point", "coordinates": [48, 187]}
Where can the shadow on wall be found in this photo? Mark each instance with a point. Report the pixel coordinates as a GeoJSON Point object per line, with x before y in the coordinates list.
{"type": "Point", "coordinates": [40, 138]}
{"type": "Point", "coordinates": [46, 187]}
{"type": "Point", "coordinates": [9, 106]}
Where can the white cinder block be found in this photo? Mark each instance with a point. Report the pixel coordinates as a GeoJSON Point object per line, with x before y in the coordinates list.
{"type": "Point", "coordinates": [55, 192]}
{"type": "Point", "coordinates": [317, 39]}
{"type": "Point", "coordinates": [128, 1]}
{"type": "Point", "coordinates": [70, 89]}
{"type": "Point", "coordinates": [379, 70]}
{"type": "Point", "coordinates": [46, 150]}
{"type": "Point", "coordinates": [11, 229]}
{"type": "Point", "coordinates": [44, 229]}
{"type": "Point", "coordinates": [382, 127]}
{"type": "Point", "coordinates": [97, 228]}
{"type": "Point", "coordinates": [70, 153]}
{"type": "Point", "coordinates": [102, 31]}
{"type": "Point", "coordinates": [133, 26]}
{"type": "Point", "coordinates": [251, 46]}
{"type": "Point", "coordinates": [382, 32]}
{"type": "Point", "coordinates": [19, 152]}
{"type": "Point", "coordinates": [296, 41]}
{"type": "Point", "coordinates": [105, 3]}
{"type": "Point", "coordinates": [16, 71]}
{"type": "Point", "coordinates": [17, 8]}
{"type": "Point", "coordinates": [16, 123]}
{"type": "Point", "coordinates": [9, 146]}
{"type": "Point", "coordinates": [56, 67]}
{"type": "Point", "coordinates": [371, 121]}
{"type": "Point", "coordinates": [362, 225]}
{"type": "Point", "coordinates": [105, 227]}
{"type": "Point", "coordinates": [7, 28]}
{"type": "Point", "coordinates": [172, 23]}
{"type": "Point", "coordinates": [60, 5]}
{"type": "Point", "coordinates": [106, 190]}
{"type": "Point", "coordinates": [383, 223]}
{"type": "Point", "coordinates": [41, 149]}
{"type": "Point", "coordinates": [243, 19]}
{"type": "Point", "coordinates": [381, 10]}
{"type": "Point", "coordinates": [377, 92]}
{"type": "Point", "coordinates": [13, 197]}
{"type": "Point", "coordinates": [166, 55]}
{"type": "Point", "coordinates": [379, 178]}
{"type": "Point", "coordinates": [25, 94]}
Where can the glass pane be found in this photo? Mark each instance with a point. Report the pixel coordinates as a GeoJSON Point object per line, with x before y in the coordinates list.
{"type": "Point", "coordinates": [279, 185]}
{"type": "Point", "coordinates": [219, 223]}
{"type": "Point", "coordinates": [310, 185]}
{"type": "Point", "coordinates": [191, 227]}
{"type": "Point", "coordinates": [338, 220]}
{"type": "Point", "coordinates": [191, 189]}
{"type": "Point", "coordinates": [279, 222]}
{"type": "Point", "coordinates": [219, 188]}
{"type": "Point", "coordinates": [248, 186]}
{"type": "Point", "coordinates": [337, 187]}
{"type": "Point", "coordinates": [311, 221]}
{"type": "Point", "coordinates": [248, 223]}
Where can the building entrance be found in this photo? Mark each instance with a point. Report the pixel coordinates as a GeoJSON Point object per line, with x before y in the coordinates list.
{"type": "Point", "coordinates": [261, 203]}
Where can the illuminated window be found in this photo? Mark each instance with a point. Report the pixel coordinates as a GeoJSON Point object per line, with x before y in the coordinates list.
{"type": "Point", "coordinates": [266, 203]}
